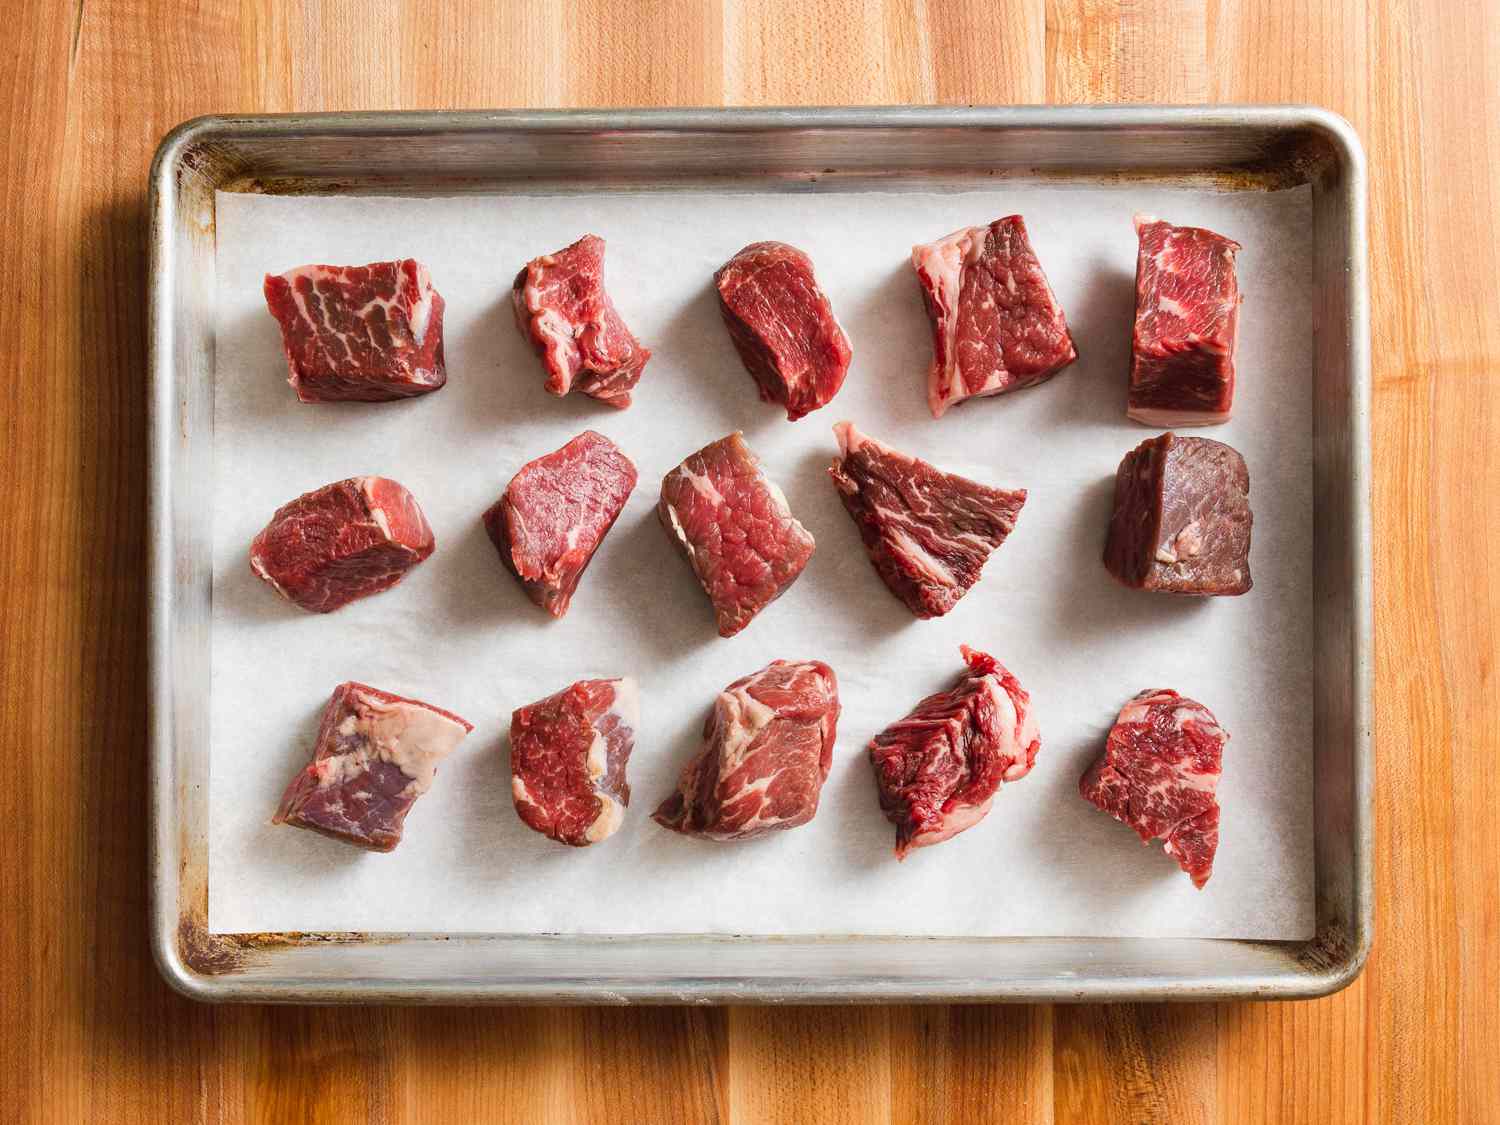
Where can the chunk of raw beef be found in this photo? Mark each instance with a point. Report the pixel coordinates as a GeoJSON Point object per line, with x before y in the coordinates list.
{"type": "Point", "coordinates": [562, 308]}
{"type": "Point", "coordinates": [1158, 774]}
{"type": "Point", "coordinates": [996, 325]}
{"type": "Point", "coordinates": [1181, 521]}
{"type": "Point", "coordinates": [568, 755]}
{"type": "Point", "coordinates": [783, 326]}
{"type": "Point", "coordinates": [555, 513]}
{"type": "Point", "coordinates": [767, 748]}
{"type": "Point", "coordinates": [938, 769]}
{"type": "Point", "coordinates": [376, 753]}
{"type": "Point", "coordinates": [734, 526]}
{"type": "Point", "coordinates": [342, 542]}
{"type": "Point", "coordinates": [1187, 313]}
{"type": "Point", "coordinates": [928, 533]}
{"type": "Point", "coordinates": [359, 333]}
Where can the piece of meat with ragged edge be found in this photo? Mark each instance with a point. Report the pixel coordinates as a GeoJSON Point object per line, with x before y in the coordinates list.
{"type": "Point", "coordinates": [783, 326]}
{"type": "Point", "coordinates": [767, 749]}
{"type": "Point", "coordinates": [734, 527]}
{"type": "Point", "coordinates": [1160, 767]}
{"type": "Point", "coordinates": [369, 333]}
{"type": "Point", "coordinates": [342, 542]}
{"type": "Point", "coordinates": [375, 754]}
{"type": "Point", "coordinates": [928, 533]}
{"type": "Point", "coordinates": [1187, 312]}
{"type": "Point", "coordinates": [996, 324]}
{"type": "Point", "coordinates": [555, 513]}
{"type": "Point", "coordinates": [1181, 520]}
{"type": "Point", "coordinates": [938, 769]}
{"type": "Point", "coordinates": [568, 755]}
{"type": "Point", "coordinates": [562, 308]}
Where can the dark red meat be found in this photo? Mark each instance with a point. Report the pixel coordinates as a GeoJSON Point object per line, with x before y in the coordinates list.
{"type": "Point", "coordinates": [996, 325]}
{"type": "Point", "coordinates": [359, 333]}
{"type": "Point", "coordinates": [568, 755]}
{"type": "Point", "coordinates": [1181, 520]}
{"type": "Point", "coordinates": [783, 326]}
{"type": "Point", "coordinates": [733, 525]}
{"type": "Point", "coordinates": [767, 749]}
{"type": "Point", "coordinates": [562, 308]}
{"type": "Point", "coordinates": [928, 533]}
{"type": "Point", "coordinates": [938, 769]}
{"type": "Point", "coordinates": [376, 753]}
{"type": "Point", "coordinates": [555, 513]}
{"type": "Point", "coordinates": [345, 541]}
{"type": "Point", "coordinates": [1187, 312]}
{"type": "Point", "coordinates": [1158, 774]}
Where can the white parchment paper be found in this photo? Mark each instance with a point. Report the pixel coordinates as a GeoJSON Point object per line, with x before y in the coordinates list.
{"type": "Point", "coordinates": [460, 634]}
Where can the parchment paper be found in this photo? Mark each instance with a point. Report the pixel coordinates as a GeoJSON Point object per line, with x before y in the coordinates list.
{"type": "Point", "coordinates": [460, 634]}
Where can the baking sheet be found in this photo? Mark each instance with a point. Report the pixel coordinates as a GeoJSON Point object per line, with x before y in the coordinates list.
{"type": "Point", "coordinates": [460, 634]}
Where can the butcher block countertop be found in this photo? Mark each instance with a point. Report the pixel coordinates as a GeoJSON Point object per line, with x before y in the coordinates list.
{"type": "Point", "coordinates": [88, 1030]}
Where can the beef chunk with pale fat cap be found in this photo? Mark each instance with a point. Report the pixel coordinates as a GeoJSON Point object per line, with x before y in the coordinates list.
{"type": "Point", "coordinates": [375, 754]}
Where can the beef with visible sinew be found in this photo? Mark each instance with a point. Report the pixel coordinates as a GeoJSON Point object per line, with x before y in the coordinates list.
{"type": "Point", "coordinates": [1160, 767]}
{"type": "Point", "coordinates": [563, 310]}
{"type": "Point", "coordinates": [734, 527]}
{"type": "Point", "coordinates": [359, 333]}
{"type": "Point", "coordinates": [783, 326]}
{"type": "Point", "coordinates": [1187, 312]}
{"type": "Point", "coordinates": [767, 749]}
{"type": "Point", "coordinates": [996, 324]}
{"type": "Point", "coordinates": [1181, 520]}
{"type": "Point", "coordinates": [375, 754]}
{"type": "Point", "coordinates": [568, 755]}
{"type": "Point", "coordinates": [555, 513]}
{"type": "Point", "coordinates": [342, 542]}
{"type": "Point", "coordinates": [928, 533]}
{"type": "Point", "coordinates": [938, 769]}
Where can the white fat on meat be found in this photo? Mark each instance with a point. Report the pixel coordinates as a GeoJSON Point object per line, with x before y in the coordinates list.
{"type": "Point", "coordinates": [1171, 418]}
{"type": "Point", "coordinates": [626, 707]}
{"type": "Point", "coordinates": [409, 736]}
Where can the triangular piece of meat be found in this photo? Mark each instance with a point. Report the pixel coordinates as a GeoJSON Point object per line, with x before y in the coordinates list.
{"type": "Point", "coordinates": [929, 533]}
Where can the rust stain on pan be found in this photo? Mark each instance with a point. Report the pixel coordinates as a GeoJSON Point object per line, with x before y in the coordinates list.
{"type": "Point", "coordinates": [217, 954]}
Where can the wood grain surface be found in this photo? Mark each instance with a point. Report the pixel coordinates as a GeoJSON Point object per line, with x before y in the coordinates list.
{"type": "Point", "coordinates": [88, 1032]}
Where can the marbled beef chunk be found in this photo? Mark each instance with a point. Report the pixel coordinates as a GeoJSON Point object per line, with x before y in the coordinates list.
{"type": "Point", "coordinates": [1181, 522]}
{"type": "Point", "coordinates": [568, 755]}
{"type": "Point", "coordinates": [375, 754]}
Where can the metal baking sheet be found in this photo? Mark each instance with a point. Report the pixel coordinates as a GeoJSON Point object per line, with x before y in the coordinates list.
{"type": "Point", "coordinates": [1235, 149]}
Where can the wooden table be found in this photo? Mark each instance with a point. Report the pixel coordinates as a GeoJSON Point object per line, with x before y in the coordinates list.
{"type": "Point", "coordinates": [88, 1031]}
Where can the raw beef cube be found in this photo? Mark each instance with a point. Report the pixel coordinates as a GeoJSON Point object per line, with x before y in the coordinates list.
{"type": "Point", "coordinates": [568, 755]}
{"type": "Point", "coordinates": [928, 532]}
{"type": "Point", "coordinates": [1181, 522]}
{"type": "Point", "coordinates": [346, 541]}
{"type": "Point", "coordinates": [996, 325]}
{"type": "Point", "coordinates": [734, 526]}
{"type": "Point", "coordinates": [359, 333]}
{"type": "Point", "coordinates": [783, 327]}
{"type": "Point", "coordinates": [562, 308]}
{"type": "Point", "coordinates": [1187, 312]}
{"type": "Point", "coordinates": [767, 749]}
{"type": "Point", "coordinates": [1158, 773]}
{"type": "Point", "coordinates": [554, 514]}
{"type": "Point", "coordinates": [938, 768]}
{"type": "Point", "coordinates": [376, 753]}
